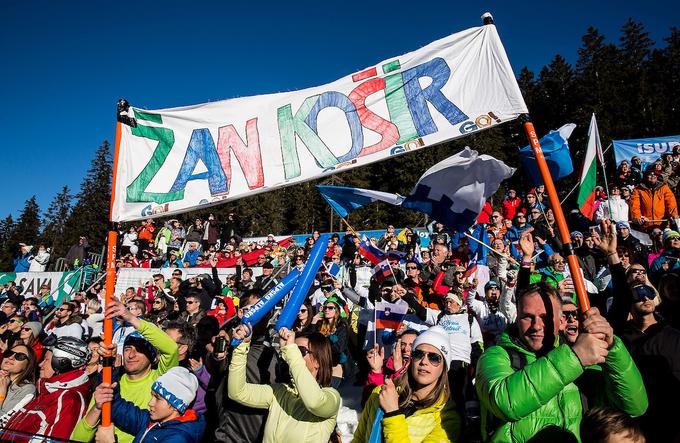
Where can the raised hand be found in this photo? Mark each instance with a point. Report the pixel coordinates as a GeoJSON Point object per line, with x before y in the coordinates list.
{"type": "Point", "coordinates": [607, 242]}
{"type": "Point", "coordinates": [286, 337]}
{"type": "Point", "coordinates": [594, 323]}
{"type": "Point", "coordinates": [526, 242]}
{"type": "Point", "coordinates": [388, 397]}
{"type": "Point", "coordinates": [242, 333]}
{"type": "Point", "coordinates": [376, 359]}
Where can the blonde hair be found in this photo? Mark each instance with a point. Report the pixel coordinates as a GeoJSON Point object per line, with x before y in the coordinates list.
{"type": "Point", "coordinates": [440, 393]}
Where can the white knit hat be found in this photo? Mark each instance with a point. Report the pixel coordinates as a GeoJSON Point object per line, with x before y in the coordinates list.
{"type": "Point", "coordinates": [178, 387]}
{"type": "Point", "coordinates": [438, 337]}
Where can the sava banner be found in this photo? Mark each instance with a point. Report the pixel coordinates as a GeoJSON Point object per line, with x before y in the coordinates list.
{"type": "Point", "coordinates": [170, 161]}
{"type": "Point", "coordinates": [62, 284]}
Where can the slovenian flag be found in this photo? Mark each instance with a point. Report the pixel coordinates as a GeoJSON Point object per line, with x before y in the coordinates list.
{"type": "Point", "coordinates": [371, 253]}
{"type": "Point", "coordinates": [477, 267]}
{"type": "Point", "coordinates": [389, 315]}
{"type": "Point", "coordinates": [382, 270]}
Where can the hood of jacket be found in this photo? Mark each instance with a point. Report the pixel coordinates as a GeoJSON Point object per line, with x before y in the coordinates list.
{"type": "Point", "coordinates": [61, 382]}
{"type": "Point", "coordinates": [190, 427]}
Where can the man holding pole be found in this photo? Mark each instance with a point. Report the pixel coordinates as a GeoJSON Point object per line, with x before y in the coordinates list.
{"type": "Point", "coordinates": [526, 383]}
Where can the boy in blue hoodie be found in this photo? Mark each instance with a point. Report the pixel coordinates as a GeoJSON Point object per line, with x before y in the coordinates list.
{"type": "Point", "coordinates": [168, 419]}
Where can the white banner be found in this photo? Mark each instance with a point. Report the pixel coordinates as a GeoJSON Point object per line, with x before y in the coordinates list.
{"type": "Point", "coordinates": [137, 277]}
{"type": "Point", "coordinates": [175, 160]}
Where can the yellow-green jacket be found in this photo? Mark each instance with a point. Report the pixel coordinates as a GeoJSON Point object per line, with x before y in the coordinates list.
{"type": "Point", "coordinates": [304, 412]}
{"type": "Point", "coordinates": [437, 424]}
{"type": "Point", "coordinates": [137, 391]}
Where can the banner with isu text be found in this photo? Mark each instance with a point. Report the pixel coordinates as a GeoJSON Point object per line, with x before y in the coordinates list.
{"type": "Point", "coordinates": [175, 160]}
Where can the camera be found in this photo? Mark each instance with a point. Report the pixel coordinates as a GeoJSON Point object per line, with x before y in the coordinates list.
{"type": "Point", "coordinates": [220, 345]}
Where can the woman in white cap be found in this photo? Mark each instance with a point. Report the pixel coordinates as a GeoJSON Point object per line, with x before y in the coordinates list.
{"type": "Point", "coordinates": [415, 403]}
{"type": "Point", "coordinates": [169, 418]}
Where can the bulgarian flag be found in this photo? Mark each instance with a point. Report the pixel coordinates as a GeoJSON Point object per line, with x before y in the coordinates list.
{"type": "Point", "coordinates": [586, 190]}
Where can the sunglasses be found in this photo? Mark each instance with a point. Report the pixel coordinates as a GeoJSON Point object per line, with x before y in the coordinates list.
{"type": "Point", "coordinates": [638, 271]}
{"type": "Point", "coordinates": [459, 273]}
{"type": "Point", "coordinates": [573, 314]}
{"type": "Point", "coordinates": [411, 268]}
{"type": "Point", "coordinates": [329, 308]}
{"type": "Point", "coordinates": [192, 302]}
{"type": "Point", "coordinates": [16, 321]}
{"type": "Point", "coordinates": [63, 309]}
{"type": "Point", "coordinates": [303, 350]}
{"type": "Point", "coordinates": [157, 302]}
{"type": "Point", "coordinates": [18, 356]}
{"type": "Point", "coordinates": [434, 358]}
{"type": "Point", "coordinates": [558, 262]}
{"type": "Point", "coordinates": [303, 311]}
{"type": "Point", "coordinates": [27, 329]}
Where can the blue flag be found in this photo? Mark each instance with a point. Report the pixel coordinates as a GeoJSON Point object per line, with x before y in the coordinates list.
{"type": "Point", "coordinates": [344, 200]}
{"type": "Point", "coordinates": [556, 151]}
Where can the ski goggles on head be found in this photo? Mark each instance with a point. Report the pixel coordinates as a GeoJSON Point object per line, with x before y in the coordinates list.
{"type": "Point", "coordinates": [642, 293]}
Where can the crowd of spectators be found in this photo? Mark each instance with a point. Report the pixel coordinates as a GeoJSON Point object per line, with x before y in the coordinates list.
{"type": "Point", "coordinates": [510, 358]}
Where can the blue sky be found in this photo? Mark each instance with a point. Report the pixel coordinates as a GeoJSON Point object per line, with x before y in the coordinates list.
{"type": "Point", "coordinates": [65, 64]}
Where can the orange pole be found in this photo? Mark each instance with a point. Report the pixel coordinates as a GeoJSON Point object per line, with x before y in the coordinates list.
{"type": "Point", "coordinates": [111, 252]}
{"type": "Point", "coordinates": [108, 323]}
{"type": "Point", "coordinates": [562, 227]}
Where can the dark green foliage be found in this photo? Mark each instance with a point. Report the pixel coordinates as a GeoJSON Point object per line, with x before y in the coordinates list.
{"type": "Point", "coordinates": [28, 224]}
{"type": "Point", "coordinates": [90, 215]}
{"type": "Point", "coordinates": [55, 221]}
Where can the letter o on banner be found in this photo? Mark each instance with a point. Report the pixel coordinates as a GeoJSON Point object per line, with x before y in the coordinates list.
{"type": "Point", "coordinates": [483, 121]}
{"type": "Point", "coordinates": [290, 311]}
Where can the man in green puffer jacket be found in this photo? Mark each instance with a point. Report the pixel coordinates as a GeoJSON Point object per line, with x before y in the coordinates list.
{"type": "Point", "coordinates": [526, 383]}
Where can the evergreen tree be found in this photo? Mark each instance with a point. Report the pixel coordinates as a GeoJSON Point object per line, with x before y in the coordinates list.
{"type": "Point", "coordinates": [28, 224]}
{"type": "Point", "coordinates": [90, 215]}
{"type": "Point", "coordinates": [7, 227]}
{"type": "Point", "coordinates": [55, 220]}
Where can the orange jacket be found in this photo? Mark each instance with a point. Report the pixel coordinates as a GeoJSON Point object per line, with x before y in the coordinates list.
{"type": "Point", "coordinates": [655, 204]}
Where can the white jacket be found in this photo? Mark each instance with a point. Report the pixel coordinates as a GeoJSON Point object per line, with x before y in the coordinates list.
{"type": "Point", "coordinates": [619, 210]}
{"type": "Point", "coordinates": [129, 238]}
{"type": "Point", "coordinates": [39, 262]}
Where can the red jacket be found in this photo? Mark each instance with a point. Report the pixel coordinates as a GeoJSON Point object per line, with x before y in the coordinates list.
{"type": "Point", "coordinates": [485, 215]}
{"type": "Point", "coordinates": [510, 207]}
{"type": "Point", "coordinates": [59, 403]}
{"type": "Point", "coordinates": [39, 349]}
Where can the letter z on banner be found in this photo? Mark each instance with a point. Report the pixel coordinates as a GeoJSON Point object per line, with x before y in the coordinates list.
{"type": "Point", "coordinates": [170, 161]}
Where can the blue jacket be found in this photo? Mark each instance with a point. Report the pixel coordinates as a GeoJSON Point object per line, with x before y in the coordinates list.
{"type": "Point", "coordinates": [191, 256]}
{"type": "Point", "coordinates": [670, 255]}
{"type": "Point", "coordinates": [514, 233]}
{"type": "Point", "coordinates": [22, 263]}
{"type": "Point", "coordinates": [188, 428]}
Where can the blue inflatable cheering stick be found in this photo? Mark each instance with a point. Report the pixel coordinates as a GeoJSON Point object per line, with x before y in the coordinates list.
{"type": "Point", "coordinates": [268, 301]}
{"type": "Point", "coordinates": [290, 311]}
